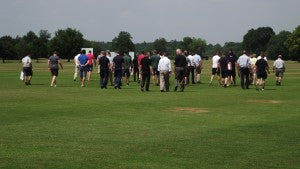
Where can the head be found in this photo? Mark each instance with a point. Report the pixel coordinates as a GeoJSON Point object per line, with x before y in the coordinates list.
{"type": "Point", "coordinates": [230, 52]}
{"type": "Point", "coordinates": [154, 52]}
{"type": "Point", "coordinates": [279, 57]}
{"type": "Point", "coordinates": [142, 52]}
{"type": "Point", "coordinates": [178, 51]}
{"type": "Point", "coordinates": [244, 52]}
{"type": "Point", "coordinates": [262, 54]}
{"type": "Point", "coordinates": [103, 53]}
{"type": "Point", "coordinates": [108, 53]}
{"type": "Point", "coordinates": [148, 54]}
{"type": "Point", "coordinates": [83, 52]}
{"type": "Point", "coordinates": [54, 53]}
{"type": "Point", "coordinates": [90, 52]}
{"type": "Point", "coordinates": [253, 55]}
{"type": "Point", "coordinates": [117, 52]}
{"type": "Point", "coordinates": [218, 53]}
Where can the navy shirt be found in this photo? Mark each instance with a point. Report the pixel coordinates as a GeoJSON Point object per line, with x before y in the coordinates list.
{"type": "Point", "coordinates": [223, 63]}
{"type": "Point", "coordinates": [83, 59]}
{"type": "Point", "coordinates": [118, 60]}
{"type": "Point", "coordinates": [146, 63]}
{"type": "Point", "coordinates": [261, 65]}
{"type": "Point", "coordinates": [232, 59]}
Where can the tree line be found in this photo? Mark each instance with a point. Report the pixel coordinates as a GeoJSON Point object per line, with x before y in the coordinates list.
{"type": "Point", "coordinates": [69, 41]}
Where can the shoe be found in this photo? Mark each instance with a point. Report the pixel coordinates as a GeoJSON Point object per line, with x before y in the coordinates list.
{"type": "Point", "coordinates": [119, 87]}
{"type": "Point", "coordinates": [142, 89]}
{"type": "Point", "coordinates": [175, 89]}
{"type": "Point", "coordinates": [147, 90]}
{"type": "Point", "coordinates": [162, 91]}
{"type": "Point", "coordinates": [116, 87]}
{"type": "Point", "coordinates": [279, 83]}
{"type": "Point", "coordinates": [29, 83]}
{"type": "Point", "coordinates": [26, 83]}
{"type": "Point", "coordinates": [262, 89]}
{"type": "Point", "coordinates": [74, 80]}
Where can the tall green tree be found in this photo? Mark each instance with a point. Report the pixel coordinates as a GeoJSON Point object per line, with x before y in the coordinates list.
{"type": "Point", "coordinates": [31, 44]}
{"type": "Point", "coordinates": [67, 43]}
{"type": "Point", "coordinates": [197, 45]}
{"type": "Point", "coordinates": [185, 43]}
{"type": "Point", "coordinates": [236, 47]}
{"type": "Point", "coordinates": [7, 48]}
{"type": "Point", "coordinates": [160, 44]}
{"type": "Point", "coordinates": [123, 42]}
{"type": "Point", "coordinates": [276, 46]}
{"type": "Point", "coordinates": [293, 44]}
{"type": "Point", "coordinates": [256, 40]}
{"type": "Point", "coordinates": [42, 44]}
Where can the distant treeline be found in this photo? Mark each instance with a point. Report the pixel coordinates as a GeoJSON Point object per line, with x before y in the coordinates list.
{"type": "Point", "coordinates": [69, 41]}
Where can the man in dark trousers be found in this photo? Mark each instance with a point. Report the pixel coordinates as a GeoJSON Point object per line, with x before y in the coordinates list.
{"type": "Point", "coordinates": [223, 66]}
{"type": "Point", "coordinates": [231, 70]}
{"type": "Point", "coordinates": [244, 66]}
{"type": "Point", "coordinates": [118, 63]}
{"type": "Point", "coordinates": [179, 69]}
{"type": "Point", "coordinates": [104, 69]}
{"type": "Point", "coordinates": [136, 71]}
{"type": "Point", "coordinates": [146, 71]}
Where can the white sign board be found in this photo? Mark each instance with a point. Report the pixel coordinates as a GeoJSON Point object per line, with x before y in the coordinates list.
{"type": "Point", "coordinates": [88, 49]}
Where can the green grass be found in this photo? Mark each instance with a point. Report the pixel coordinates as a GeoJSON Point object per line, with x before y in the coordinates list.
{"type": "Point", "coordinates": [74, 127]}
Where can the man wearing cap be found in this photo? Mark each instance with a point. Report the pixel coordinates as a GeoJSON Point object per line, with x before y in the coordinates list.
{"type": "Point", "coordinates": [244, 66]}
{"type": "Point", "coordinates": [279, 69]}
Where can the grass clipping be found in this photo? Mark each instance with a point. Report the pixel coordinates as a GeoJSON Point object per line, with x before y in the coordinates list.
{"type": "Point", "coordinates": [191, 110]}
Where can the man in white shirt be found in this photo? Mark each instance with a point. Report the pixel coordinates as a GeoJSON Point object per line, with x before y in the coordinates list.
{"type": "Point", "coordinates": [244, 66]}
{"type": "Point", "coordinates": [27, 69]}
{"type": "Point", "coordinates": [76, 70]}
{"type": "Point", "coordinates": [190, 69]}
{"type": "Point", "coordinates": [279, 69]}
{"type": "Point", "coordinates": [165, 70]}
{"type": "Point", "coordinates": [215, 69]}
{"type": "Point", "coordinates": [198, 67]}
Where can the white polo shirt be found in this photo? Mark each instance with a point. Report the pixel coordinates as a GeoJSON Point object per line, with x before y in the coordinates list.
{"type": "Point", "coordinates": [76, 59]}
{"type": "Point", "coordinates": [197, 60]}
{"type": "Point", "coordinates": [279, 63]}
{"type": "Point", "coordinates": [164, 64]}
{"type": "Point", "coordinates": [26, 61]}
{"type": "Point", "coordinates": [191, 60]}
{"type": "Point", "coordinates": [215, 60]}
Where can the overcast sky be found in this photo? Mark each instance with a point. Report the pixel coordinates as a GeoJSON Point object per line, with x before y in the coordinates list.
{"type": "Point", "coordinates": [216, 21]}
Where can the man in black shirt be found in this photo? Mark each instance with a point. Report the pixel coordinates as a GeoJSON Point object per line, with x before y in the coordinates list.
{"type": "Point", "coordinates": [262, 68]}
{"type": "Point", "coordinates": [118, 63]}
{"type": "Point", "coordinates": [231, 70]}
{"type": "Point", "coordinates": [179, 68]}
{"type": "Point", "coordinates": [146, 71]}
{"type": "Point", "coordinates": [136, 71]}
{"type": "Point", "coordinates": [104, 70]}
{"type": "Point", "coordinates": [223, 65]}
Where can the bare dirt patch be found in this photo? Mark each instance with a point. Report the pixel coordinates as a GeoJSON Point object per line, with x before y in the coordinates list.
{"type": "Point", "coordinates": [265, 101]}
{"type": "Point", "coordinates": [188, 110]}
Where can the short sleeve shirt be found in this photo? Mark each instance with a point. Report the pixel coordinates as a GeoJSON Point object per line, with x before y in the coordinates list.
{"type": "Point", "coordinates": [146, 63]}
{"type": "Point", "coordinates": [180, 61]}
{"type": "Point", "coordinates": [91, 58]}
{"type": "Point", "coordinates": [83, 59]}
{"type": "Point", "coordinates": [54, 62]}
{"type": "Point", "coordinates": [118, 61]}
{"type": "Point", "coordinates": [261, 65]}
{"type": "Point", "coordinates": [26, 61]}
{"type": "Point", "coordinates": [154, 61]}
{"type": "Point", "coordinates": [103, 62]}
{"type": "Point", "coordinates": [215, 61]}
{"type": "Point", "coordinates": [223, 63]}
{"type": "Point", "coordinates": [127, 62]}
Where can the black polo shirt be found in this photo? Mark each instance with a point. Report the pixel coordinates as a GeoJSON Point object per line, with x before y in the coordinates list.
{"type": "Point", "coordinates": [103, 62]}
{"type": "Point", "coordinates": [180, 61]}
{"type": "Point", "coordinates": [146, 63]}
{"type": "Point", "coordinates": [223, 63]}
{"type": "Point", "coordinates": [261, 65]}
{"type": "Point", "coordinates": [118, 60]}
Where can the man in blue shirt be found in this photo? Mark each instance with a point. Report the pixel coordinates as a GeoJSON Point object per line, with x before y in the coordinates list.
{"type": "Point", "coordinates": [83, 63]}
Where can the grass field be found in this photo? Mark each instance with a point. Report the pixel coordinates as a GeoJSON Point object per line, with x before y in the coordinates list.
{"type": "Point", "coordinates": [203, 127]}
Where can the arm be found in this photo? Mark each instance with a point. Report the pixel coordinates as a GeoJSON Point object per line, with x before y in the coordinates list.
{"type": "Point", "coordinates": [48, 64]}
{"type": "Point", "coordinates": [151, 70]}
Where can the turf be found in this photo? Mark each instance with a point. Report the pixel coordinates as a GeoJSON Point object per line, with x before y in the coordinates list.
{"type": "Point", "coordinates": [203, 127]}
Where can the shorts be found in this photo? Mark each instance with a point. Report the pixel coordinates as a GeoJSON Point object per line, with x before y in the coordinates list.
{"type": "Point", "coordinates": [54, 72]}
{"type": "Point", "coordinates": [89, 68]}
{"type": "Point", "coordinates": [126, 73]}
{"type": "Point", "coordinates": [231, 73]}
{"type": "Point", "coordinates": [187, 71]}
{"type": "Point", "coordinates": [279, 73]}
{"type": "Point", "coordinates": [262, 75]}
{"type": "Point", "coordinates": [27, 71]}
{"type": "Point", "coordinates": [215, 71]}
{"type": "Point", "coordinates": [224, 73]}
{"type": "Point", "coordinates": [83, 71]}
{"type": "Point", "coordinates": [198, 69]}
{"type": "Point", "coordinates": [155, 71]}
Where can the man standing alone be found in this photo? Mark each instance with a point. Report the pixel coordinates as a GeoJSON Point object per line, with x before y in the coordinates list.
{"type": "Point", "coordinates": [179, 69]}
{"type": "Point", "coordinates": [279, 69]}
{"type": "Point", "coordinates": [27, 69]}
{"type": "Point", "coordinates": [53, 63]}
{"type": "Point", "coordinates": [244, 65]}
{"type": "Point", "coordinates": [165, 70]}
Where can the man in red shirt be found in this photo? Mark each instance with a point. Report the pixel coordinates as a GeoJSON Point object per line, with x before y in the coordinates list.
{"type": "Point", "coordinates": [90, 64]}
{"type": "Point", "coordinates": [140, 57]}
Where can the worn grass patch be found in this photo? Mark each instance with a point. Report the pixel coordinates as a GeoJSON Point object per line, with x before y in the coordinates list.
{"type": "Point", "coordinates": [188, 110]}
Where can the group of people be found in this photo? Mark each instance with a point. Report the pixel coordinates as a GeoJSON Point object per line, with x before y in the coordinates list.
{"type": "Point", "coordinates": [249, 68]}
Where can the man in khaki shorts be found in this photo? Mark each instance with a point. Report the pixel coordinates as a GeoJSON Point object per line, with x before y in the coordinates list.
{"type": "Point", "coordinates": [279, 68]}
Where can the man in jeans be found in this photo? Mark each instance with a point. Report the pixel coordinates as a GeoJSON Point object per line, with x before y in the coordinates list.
{"type": "Point", "coordinates": [118, 63]}
{"type": "Point", "coordinates": [165, 70]}
{"type": "Point", "coordinates": [244, 65]}
{"type": "Point", "coordinates": [146, 70]}
{"type": "Point", "coordinates": [104, 69]}
{"type": "Point", "coordinates": [179, 69]}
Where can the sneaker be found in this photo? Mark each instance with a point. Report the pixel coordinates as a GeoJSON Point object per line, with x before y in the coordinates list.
{"type": "Point", "coordinates": [142, 89]}
{"type": "Point", "coordinates": [175, 89]}
{"type": "Point", "coordinates": [279, 83]}
{"type": "Point", "coordinates": [162, 91]}
{"type": "Point", "coordinates": [262, 89]}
